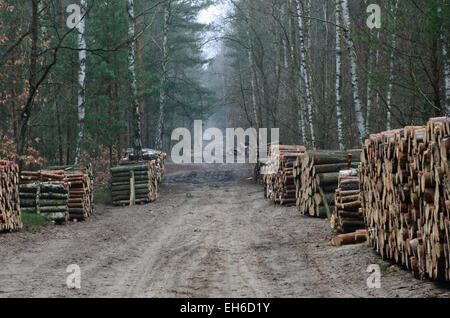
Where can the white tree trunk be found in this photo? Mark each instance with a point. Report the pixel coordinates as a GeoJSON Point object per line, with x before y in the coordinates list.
{"type": "Point", "coordinates": [81, 80]}
{"type": "Point", "coordinates": [137, 143]}
{"type": "Point", "coordinates": [338, 76]}
{"type": "Point", "coordinates": [325, 62]}
{"type": "Point", "coordinates": [369, 86]}
{"type": "Point", "coordinates": [446, 77]}
{"type": "Point", "coordinates": [391, 71]}
{"type": "Point", "coordinates": [304, 70]}
{"type": "Point", "coordinates": [252, 68]}
{"type": "Point", "coordinates": [296, 78]}
{"type": "Point", "coordinates": [377, 59]}
{"type": "Point", "coordinates": [354, 75]}
{"type": "Point", "coordinates": [163, 91]}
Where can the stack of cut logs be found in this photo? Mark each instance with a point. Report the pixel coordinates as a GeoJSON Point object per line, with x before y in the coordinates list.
{"type": "Point", "coordinates": [137, 182]}
{"type": "Point", "coordinates": [278, 173]}
{"type": "Point", "coordinates": [48, 199]}
{"type": "Point", "coordinates": [81, 190]}
{"type": "Point", "coordinates": [27, 177]}
{"type": "Point", "coordinates": [348, 215]}
{"type": "Point", "coordinates": [10, 219]}
{"type": "Point", "coordinates": [316, 177]}
{"type": "Point", "coordinates": [405, 181]}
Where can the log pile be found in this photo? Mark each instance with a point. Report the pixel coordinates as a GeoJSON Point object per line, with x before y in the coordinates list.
{"type": "Point", "coordinates": [135, 182]}
{"type": "Point", "coordinates": [27, 177]}
{"type": "Point", "coordinates": [348, 215]}
{"type": "Point", "coordinates": [10, 218]}
{"type": "Point", "coordinates": [357, 237]}
{"type": "Point", "coordinates": [48, 199]}
{"type": "Point", "coordinates": [405, 182]}
{"type": "Point", "coordinates": [316, 177]}
{"type": "Point", "coordinates": [278, 174]}
{"type": "Point", "coordinates": [81, 190]}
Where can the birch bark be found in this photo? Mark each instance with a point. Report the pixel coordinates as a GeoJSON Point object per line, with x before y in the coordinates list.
{"type": "Point", "coordinates": [338, 75]}
{"type": "Point", "coordinates": [352, 57]}
{"type": "Point", "coordinates": [304, 70]}
{"type": "Point", "coordinates": [137, 142]}
{"type": "Point", "coordinates": [163, 90]}
{"type": "Point", "coordinates": [81, 79]}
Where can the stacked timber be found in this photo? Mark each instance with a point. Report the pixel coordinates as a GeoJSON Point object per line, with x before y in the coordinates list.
{"type": "Point", "coordinates": [41, 176]}
{"type": "Point", "coordinates": [405, 182]}
{"type": "Point", "coordinates": [316, 176]}
{"type": "Point", "coordinates": [348, 215]}
{"type": "Point", "coordinates": [278, 175]}
{"type": "Point", "coordinates": [136, 182]}
{"type": "Point", "coordinates": [357, 237]}
{"type": "Point", "coordinates": [10, 218]}
{"type": "Point", "coordinates": [48, 199]}
{"type": "Point", "coordinates": [81, 190]}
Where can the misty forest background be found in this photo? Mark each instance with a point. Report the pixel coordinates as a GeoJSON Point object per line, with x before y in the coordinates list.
{"type": "Point", "coordinates": [137, 69]}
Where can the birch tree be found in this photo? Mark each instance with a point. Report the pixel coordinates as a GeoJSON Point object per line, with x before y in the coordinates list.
{"type": "Point", "coordinates": [137, 142]}
{"type": "Point", "coordinates": [338, 75]}
{"type": "Point", "coordinates": [391, 70]}
{"type": "Point", "coordinates": [295, 75]}
{"type": "Point", "coordinates": [81, 79]}
{"type": "Point", "coordinates": [305, 72]}
{"type": "Point", "coordinates": [446, 78]}
{"type": "Point", "coordinates": [354, 75]}
{"type": "Point", "coordinates": [251, 64]}
{"type": "Point", "coordinates": [163, 81]}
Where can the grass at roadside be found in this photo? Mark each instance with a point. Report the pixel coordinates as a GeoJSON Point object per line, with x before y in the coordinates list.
{"type": "Point", "coordinates": [33, 222]}
{"type": "Point", "coordinates": [102, 195]}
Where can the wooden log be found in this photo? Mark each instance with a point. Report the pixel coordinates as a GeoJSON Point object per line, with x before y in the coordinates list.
{"type": "Point", "coordinates": [402, 173]}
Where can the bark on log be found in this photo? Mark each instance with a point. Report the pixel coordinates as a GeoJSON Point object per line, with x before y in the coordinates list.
{"type": "Point", "coordinates": [405, 175]}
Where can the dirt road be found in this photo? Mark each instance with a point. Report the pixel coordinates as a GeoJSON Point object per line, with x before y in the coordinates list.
{"type": "Point", "coordinates": [210, 234]}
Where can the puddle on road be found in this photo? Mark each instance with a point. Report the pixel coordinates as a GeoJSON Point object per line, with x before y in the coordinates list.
{"type": "Point", "coordinates": [208, 176]}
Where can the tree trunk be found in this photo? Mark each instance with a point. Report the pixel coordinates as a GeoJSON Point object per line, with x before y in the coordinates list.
{"type": "Point", "coordinates": [338, 76]}
{"type": "Point", "coordinates": [252, 67]}
{"type": "Point", "coordinates": [163, 91]}
{"type": "Point", "coordinates": [391, 70]}
{"type": "Point", "coordinates": [32, 89]}
{"type": "Point", "coordinates": [446, 77]}
{"type": "Point", "coordinates": [354, 75]}
{"type": "Point", "coordinates": [296, 78]}
{"type": "Point", "coordinates": [137, 142]}
{"type": "Point", "coordinates": [304, 70]}
{"type": "Point", "coordinates": [81, 80]}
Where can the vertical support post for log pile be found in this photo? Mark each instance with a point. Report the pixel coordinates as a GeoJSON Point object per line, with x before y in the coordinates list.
{"type": "Point", "coordinates": [325, 202]}
{"type": "Point", "coordinates": [132, 190]}
{"type": "Point", "coordinates": [38, 194]}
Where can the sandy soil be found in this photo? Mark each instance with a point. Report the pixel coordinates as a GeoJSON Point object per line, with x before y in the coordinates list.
{"type": "Point", "coordinates": [210, 234]}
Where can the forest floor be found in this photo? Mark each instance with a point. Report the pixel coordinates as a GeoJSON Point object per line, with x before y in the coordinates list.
{"type": "Point", "coordinates": [211, 233]}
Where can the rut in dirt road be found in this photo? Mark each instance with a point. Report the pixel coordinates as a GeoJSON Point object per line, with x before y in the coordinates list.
{"type": "Point", "coordinates": [210, 239]}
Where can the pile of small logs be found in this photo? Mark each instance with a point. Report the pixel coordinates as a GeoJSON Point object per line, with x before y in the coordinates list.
{"type": "Point", "coordinates": [41, 176]}
{"type": "Point", "coordinates": [135, 182]}
{"type": "Point", "coordinates": [48, 199]}
{"type": "Point", "coordinates": [405, 181]}
{"type": "Point", "coordinates": [10, 219]}
{"type": "Point", "coordinates": [357, 237]}
{"type": "Point", "coordinates": [81, 190]}
{"type": "Point", "coordinates": [348, 215]}
{"type": "Point", "coordinates": [316, 176]}
{"type": "Point", "coordinates": [278, 176]}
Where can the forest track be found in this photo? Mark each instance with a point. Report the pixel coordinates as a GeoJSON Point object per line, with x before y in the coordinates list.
{"type": "Point", "coordinates": [210, 234]}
